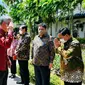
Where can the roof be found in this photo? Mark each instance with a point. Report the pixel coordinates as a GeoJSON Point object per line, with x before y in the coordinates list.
{"type": "Point", "coordinates": [77, 16]}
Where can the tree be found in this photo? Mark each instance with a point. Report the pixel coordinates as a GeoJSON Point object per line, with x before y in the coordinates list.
{"type": "Point", "coordinates": [2, 10]}
{"type": "Point", "coordinates": [33, 12]}
{"type": "Point", "coordinates": [83, 4]}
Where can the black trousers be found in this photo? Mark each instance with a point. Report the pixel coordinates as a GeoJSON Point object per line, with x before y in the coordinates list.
{"type": "Point", "coordinates": [67, 83]}
{"type": "Point", "coordinates": [13, 66]}
{"type": "Point", "coordinates": [24, 72]}
{"type": "Point", "coordinates": [42, 75]}
{"type": "Point", "coordinates": [3, 77]}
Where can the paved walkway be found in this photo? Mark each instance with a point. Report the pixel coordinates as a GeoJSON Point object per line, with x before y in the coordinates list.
{"type": "Point", "coordinates": [13, 81]}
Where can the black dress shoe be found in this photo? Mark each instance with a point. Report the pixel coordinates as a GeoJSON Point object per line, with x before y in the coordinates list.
{"type": "Point", "coordinates": [13, 76]}
{"type": "Point", "coordinates": [10, 76]}
{"type": "Point", "coordinates": [19, 82]}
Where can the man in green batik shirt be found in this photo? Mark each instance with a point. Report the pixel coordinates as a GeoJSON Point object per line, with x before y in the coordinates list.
{"type": "Point", "coordinates": [71, 64]}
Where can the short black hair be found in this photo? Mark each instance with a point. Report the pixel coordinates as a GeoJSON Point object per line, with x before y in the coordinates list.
{"type": "Point", "coordinates": [60, 30]}
{"type": "Point", "coordinates": [24, 27]}
{"type": "Point", "coordinates": [16, 31]}
{"type": "Point", "coordinates": [43, 25]}
{"type": "Point", "coordinates": [65, 31]}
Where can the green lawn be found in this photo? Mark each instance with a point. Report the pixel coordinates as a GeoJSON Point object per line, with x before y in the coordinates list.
{"type": "Point", "coordinates": [83, 55]}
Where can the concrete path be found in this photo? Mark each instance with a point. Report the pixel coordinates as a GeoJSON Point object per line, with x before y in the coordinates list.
{"type": "Point", "coordinates": [13, 81]}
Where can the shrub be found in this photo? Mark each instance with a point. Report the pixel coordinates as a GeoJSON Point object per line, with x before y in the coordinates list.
{"type": "Point", "coordinates": [81, 40]}
{"type": "Point", "coordinates": [56, 62]}
{"type": "Point", "coordinates": [55, 80]}
{"type": "Point", "coordinates": [31, 72]}
{"type": "Point", "coordinates": [18, 71]}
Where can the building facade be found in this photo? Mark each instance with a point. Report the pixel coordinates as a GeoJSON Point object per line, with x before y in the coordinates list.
{"type": "Point", "coordinates": [78, 28]}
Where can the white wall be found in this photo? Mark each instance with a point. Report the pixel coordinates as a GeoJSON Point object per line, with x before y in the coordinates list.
{"type": "Point", "coordinates": [81, 33]}
{"type": "Point", "coordinates": [59, 26]}
{"type": "Point", "coordinates": [53, 30]}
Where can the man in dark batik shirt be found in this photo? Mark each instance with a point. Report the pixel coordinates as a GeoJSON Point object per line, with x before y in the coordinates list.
{"type": "Point", "coordinates": [71, 63]}
{"type": "Point", "coordinates": [22, 52]}
{"type": "Point", "coordinates": [42, 55]}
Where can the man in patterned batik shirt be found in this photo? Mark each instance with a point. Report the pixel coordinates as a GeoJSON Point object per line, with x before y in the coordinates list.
{"type": "Point", "coordinates": [22, 52]}
{"type": "Point", "coordinates": [43, 55]}
{"type": "Point", "coordinates": [72, 66]}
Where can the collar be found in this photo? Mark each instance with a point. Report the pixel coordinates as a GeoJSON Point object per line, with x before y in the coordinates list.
{"type": "Point", "coordinates": [70, 40]}
{"type": "Point", "coordinates": [45, 35]}
{"type": "Point", "coordinates": [24, 34]}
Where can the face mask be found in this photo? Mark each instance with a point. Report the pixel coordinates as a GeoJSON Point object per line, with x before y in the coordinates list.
{"type": "Point", "coordinates": [40, 32]}
{"type": "Point", "coordinates": [62, 41]}
{"type": "Point", "coordinates": [20, 31]}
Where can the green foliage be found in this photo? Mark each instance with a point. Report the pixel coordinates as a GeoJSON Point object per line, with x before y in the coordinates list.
{"type": "Point", "coordinates": [81, 40]}
{"type": "Point", "coordinates": [32, 76]}
{"type": "Point", "coordinates": [16, 13]}
{"type": "Point", "coordinates": [56, 63]}
{"type": "Point", "coordinates": [2, 10]}
{"type": "Point", "coordinates": [83, 55]}
{"type": "Point", "coordinates": [55, 80]}
{"type": "Point", "coordinates": [35, 11]}
{"type": "Point", "coordinates": [46, 9]}
{"type": "Point", "coordinates": [8, 2]}
{"type": "Point", "coordinates": [83, 4]}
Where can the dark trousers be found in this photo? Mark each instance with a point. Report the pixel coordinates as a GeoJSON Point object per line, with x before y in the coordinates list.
{"type": "Point", "coordinates": [13, 66]}
{"type": "Point", "coordinates": [42, 75]}
{"type": "Point", "coordinates": [3, 77]}
{"type": "Point", "coordinates": [67, 83]}
{"type": "Point", "coordinates": [24, 72]}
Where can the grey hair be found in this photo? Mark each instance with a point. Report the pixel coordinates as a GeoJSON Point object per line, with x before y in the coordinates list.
{"type": "Point", "coordinates": [5, 19]}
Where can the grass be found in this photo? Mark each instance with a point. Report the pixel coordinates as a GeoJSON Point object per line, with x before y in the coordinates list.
{"type": "Point", "coordinates": [83, 56]}
{"type": "Point", "coordinates": [55, 80]}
